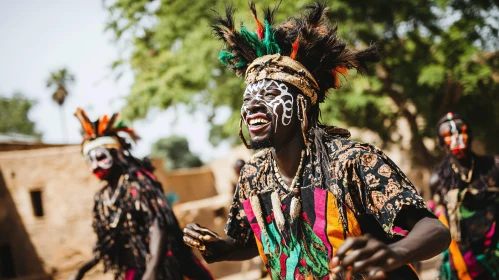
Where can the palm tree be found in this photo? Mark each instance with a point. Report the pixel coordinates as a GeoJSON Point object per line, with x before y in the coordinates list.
{"type": "Point", "coordinates": [61, 79]}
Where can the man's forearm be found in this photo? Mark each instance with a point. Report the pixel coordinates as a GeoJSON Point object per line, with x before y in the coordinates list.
{"type": "Point", "coordinates": [428, 238]}
{"type": "Point", "coordinates": [228, 250]}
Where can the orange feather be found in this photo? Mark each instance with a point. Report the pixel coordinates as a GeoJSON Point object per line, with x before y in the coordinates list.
{"type": "Point", "coordinates": [294, 48]}
{"type": "Point", "coordinates": [85, 122]}
{"type": "Point", "coordinates": [103, 123]}
{"type": "Point", "coordinates": [259, 25]}
{"type": "Point", "coordinates": [340, 69]}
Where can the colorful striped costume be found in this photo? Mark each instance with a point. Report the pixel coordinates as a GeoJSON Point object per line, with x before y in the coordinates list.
{"type": "Point", "coordinates": [471, 212]}
{"type": "Point", "coordinates": [365, 193]}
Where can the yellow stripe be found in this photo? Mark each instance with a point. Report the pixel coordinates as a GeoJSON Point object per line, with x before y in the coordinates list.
{"type": "Point", "coordinates": [334, 228]}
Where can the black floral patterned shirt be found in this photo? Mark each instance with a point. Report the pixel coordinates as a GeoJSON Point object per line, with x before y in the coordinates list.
{"type": "Point", "coordinates": [361, 178]}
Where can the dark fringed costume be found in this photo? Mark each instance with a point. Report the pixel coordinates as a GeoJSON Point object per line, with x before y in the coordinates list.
{"type": "Point", "coordinates": [342, 188]}
{"type": "Point", "coordinates": [122, 217]}
{"type": "Point", "coordinates": [469, 206]}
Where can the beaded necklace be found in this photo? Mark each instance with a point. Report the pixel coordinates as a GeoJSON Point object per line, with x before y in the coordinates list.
{"type": "Point", "coordinates": [465, 178]}
{"type": "Point", "coordinates": [294, 183]}
{"type": "Point", "coordinates": [295, 201]}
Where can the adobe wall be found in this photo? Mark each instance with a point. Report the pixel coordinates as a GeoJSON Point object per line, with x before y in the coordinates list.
{"type": "Point", "coordinates": [13, 234]}
{"type": "Point", "coordinates": [189, 184]}
{"type": "Point", "coordinates": [63, 237]}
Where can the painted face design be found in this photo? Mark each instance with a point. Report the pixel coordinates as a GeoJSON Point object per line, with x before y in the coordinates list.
{"type": "Point", "coordinates": [273, 95]}
{"type": "Point", "coordinates": [100, 162]}
{"type": "Point", "coordinates": [455, 136]}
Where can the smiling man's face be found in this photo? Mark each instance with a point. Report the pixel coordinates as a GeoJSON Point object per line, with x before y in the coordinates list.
{"type": "Point", "coordinates": [268, 111]}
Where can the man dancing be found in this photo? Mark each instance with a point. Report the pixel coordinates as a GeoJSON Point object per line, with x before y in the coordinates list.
{"type": "Point", "coordinates": [138, 236]}
{"type": "Point", "coordinates": [312, 203]}
{"type": "Point", "coordinates": [466, 193]}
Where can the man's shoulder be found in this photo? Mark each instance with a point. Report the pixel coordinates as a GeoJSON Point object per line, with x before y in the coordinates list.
{"type": "Point", "coordinates": [347, 149]}
{"type": "Point", "coordinates": [257, 160]}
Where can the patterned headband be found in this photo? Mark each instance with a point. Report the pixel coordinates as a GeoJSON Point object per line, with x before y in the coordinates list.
{"type": "Point", "coordinates": [283, 69]}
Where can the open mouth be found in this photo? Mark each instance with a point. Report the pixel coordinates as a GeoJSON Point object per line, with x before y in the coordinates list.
{"type": "Point", "coordinates": [257, 122]}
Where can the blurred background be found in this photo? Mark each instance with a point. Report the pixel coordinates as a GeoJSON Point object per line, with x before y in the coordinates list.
{"type": "Point", "coordinates": [156, 61]}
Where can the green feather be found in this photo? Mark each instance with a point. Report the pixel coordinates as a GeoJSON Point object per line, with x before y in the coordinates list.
{"type": "Point", "coordinates": [240, 63]}
{"type": "Point", "coordinates": [269, 41]}
{"type": "Point", "coordinates": [120, 124]}
{"type": "Point", "coordinates": [226, 57]}
{"type": "Point", "coordinates": [253, 41]}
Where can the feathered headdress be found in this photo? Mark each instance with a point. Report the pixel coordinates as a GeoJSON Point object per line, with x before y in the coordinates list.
{"type": "Point", "coordinates": [304, 51]}
{"type": "Point", "coordinates": [104, 132]}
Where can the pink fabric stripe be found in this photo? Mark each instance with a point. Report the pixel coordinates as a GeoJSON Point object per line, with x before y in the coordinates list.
{"type": "Point", "coordinates": [320, 217]}
{"type": "Point", "coordinates": [250, 215]}
{"type": "Point", "coordinates": [148, 173]}
{"type": "Point", "coordinates": [130, 273]}
{"type": "Point", "coordinates": [474, 268]}
{"type": "Point", "coordinates": [400, 231]}
{"type": "Point", "coordinates": [490, 234]}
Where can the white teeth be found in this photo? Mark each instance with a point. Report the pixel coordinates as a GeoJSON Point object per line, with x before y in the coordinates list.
{"type": "Point", "coordinates": [258, 121]}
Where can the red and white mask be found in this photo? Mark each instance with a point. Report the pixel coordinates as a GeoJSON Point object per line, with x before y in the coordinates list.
{"type": "Point", "coordinates": [100, 162]}
{"type": "Point", "coordinates": [454, 134]}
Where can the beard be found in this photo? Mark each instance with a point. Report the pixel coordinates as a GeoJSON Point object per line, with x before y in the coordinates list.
{"type": "Point", "coordinates": [267, 142]}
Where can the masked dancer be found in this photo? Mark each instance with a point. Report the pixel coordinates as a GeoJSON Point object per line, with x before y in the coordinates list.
{"type": "Point", "coordinates": [138, 236]}
{"type": "Point", "coordinates": [466, 195]}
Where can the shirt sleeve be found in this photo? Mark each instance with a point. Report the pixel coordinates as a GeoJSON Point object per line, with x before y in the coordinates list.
{"type": "Point", "coordinates": [237, 226]}
{"type": "Point", "coordinates": [383, 189]}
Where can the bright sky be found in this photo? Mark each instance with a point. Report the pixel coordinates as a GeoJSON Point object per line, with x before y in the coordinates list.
{"type": "Point", "coordinates": [42, 36]}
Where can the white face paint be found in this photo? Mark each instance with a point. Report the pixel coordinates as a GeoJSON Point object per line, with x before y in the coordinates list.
{"type": "Point", "coordinates": [263, 88]}
{"type": "Point", "coordinates": [99, 157]}
{"type": "Point", "coordinates": [457, 138]}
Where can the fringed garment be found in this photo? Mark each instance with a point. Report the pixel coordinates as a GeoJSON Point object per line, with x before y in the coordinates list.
{"type": "Point", "coordinates": [122, 220]}
{"type": "Point", "coordinates": [471, 211]}
{"type": "Point", "coordinates": [364, 194]}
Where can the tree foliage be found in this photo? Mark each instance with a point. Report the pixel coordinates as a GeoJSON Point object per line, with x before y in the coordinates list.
{"type": "Point", "coordinates": [439, 55]}
{"type": "Point", "coordinates": [60, 79]}
{"type": "Point", "coordinates": [14, 115]}
{"type": "Point", "coordinates": [176, 153]}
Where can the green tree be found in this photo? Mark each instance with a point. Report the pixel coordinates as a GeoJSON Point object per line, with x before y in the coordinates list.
{"type": "Point", "coordinates": [60, 80]}
{"type": "Point", "coordinates": [176, 153]}
{"type": "Point", "coordinates": [439, 55]}
{"type": "Point", "coordinates": [14, 113]}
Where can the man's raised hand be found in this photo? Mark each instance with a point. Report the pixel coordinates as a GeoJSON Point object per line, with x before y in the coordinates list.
{"type": "Point", "coordinates": [197, 236]}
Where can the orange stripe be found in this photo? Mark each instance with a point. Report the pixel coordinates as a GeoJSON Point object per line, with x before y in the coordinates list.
{"type": "Point", "coordinates": [334, 227]}
{"type": "Point", "coordinates": [457, 257]}
{"type": "Point", "coordinates": [260, 250]}
{"type": "Point", "coordinates": [413, 269]}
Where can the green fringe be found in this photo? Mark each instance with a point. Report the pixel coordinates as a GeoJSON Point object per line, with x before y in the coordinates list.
{"type": "Point", "coordinates": [445, 270]}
